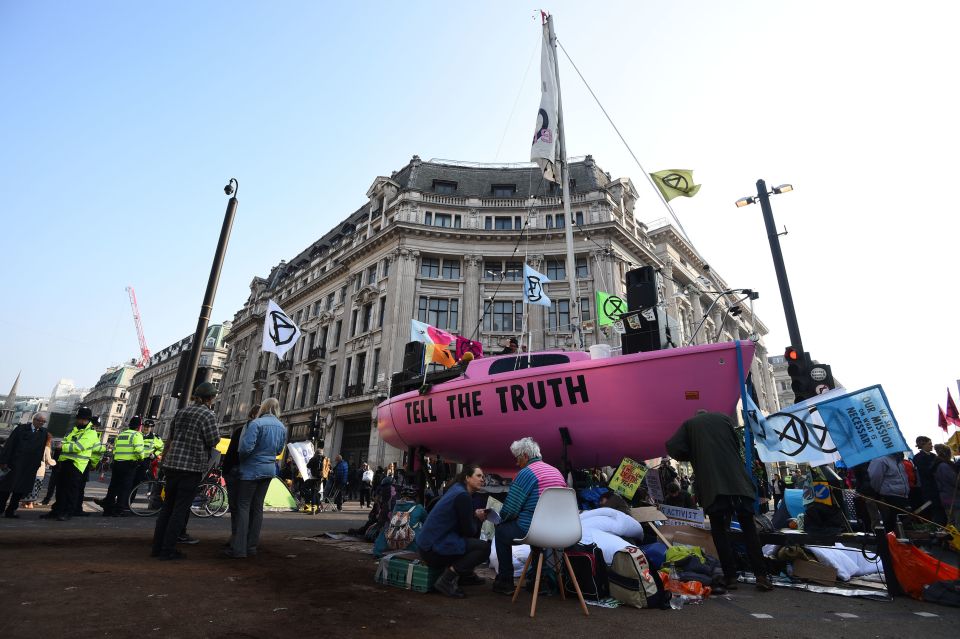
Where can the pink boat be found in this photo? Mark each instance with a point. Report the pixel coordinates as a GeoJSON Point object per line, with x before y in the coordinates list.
{"type": "Point", "coordinates": [612, 407]}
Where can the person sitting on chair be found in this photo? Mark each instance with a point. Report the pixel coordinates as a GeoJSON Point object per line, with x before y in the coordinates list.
{"type": "Point", "coordinates": [448, 538]}
{"type": "Point", "coordinates": [534, 477]}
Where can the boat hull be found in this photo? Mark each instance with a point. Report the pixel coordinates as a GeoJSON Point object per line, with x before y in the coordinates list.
{"type": "Point", "coordinates": [623, 406]}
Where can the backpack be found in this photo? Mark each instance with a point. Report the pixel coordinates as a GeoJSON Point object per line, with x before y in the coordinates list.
{"type": "Point", "coordinates": [633, 583]}
{"type": "Point", "coordinates": [399, 533]}
{"type": "Point", "coordinates": [590, 569]}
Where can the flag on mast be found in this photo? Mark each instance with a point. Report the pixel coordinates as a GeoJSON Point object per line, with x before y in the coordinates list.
{"type": "Point", "coordinates": [942, 420]}
{"type": "Point", "coordinates": [280, 333]}
{"type": "Point", "coordinates": [953, 415]}
{"type": "Point", "coordinates": [533, 282]}
{"type": "Point", "coordinates": [437, 343]}
{"type": "Point", "coordinates": [545, 138]}
{"type": "Point", "coordinates": [675, 182]}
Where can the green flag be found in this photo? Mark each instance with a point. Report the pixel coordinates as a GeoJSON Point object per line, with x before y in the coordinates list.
{"type": "Point", "coordinates": [609, 308]}
{"type": "Point", "coordinates": [674, 182]}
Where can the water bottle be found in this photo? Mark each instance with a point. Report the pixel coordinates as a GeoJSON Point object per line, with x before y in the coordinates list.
{"type": "Point", "coordinates": [676, 592]}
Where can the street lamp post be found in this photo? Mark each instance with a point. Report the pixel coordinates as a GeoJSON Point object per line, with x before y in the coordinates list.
{"type": "Point", "coordinates": [198, 337]}
{"type": "Point", "coordinates": [785, 296]}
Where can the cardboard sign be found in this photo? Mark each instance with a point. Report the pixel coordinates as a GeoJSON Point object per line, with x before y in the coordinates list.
{"type": "Point", "coordinates": [628, 478]}
{"type": "Point", "coordinates": [655, 486]}
{"type": "Point", "coordinates": [685, 516]}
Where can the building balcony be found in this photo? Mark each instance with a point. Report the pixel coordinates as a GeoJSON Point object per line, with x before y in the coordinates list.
{"type": "Point", "coordinates": [316, 356]}
{"type": "Point", "coordinates": [260, 377]}
{"type": "Point", "coordinates": [356, 390]}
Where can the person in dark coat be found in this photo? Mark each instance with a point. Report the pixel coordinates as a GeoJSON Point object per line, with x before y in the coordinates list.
{"type": "Point", "coordinates": [723, 488]}
{"type": "Point", "coordinates": [21, 455]}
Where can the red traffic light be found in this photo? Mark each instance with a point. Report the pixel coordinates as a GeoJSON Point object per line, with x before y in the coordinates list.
{"type": "Point", "coordinates": [792, 354]}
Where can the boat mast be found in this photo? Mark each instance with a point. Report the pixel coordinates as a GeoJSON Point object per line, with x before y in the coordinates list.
{"type": "Point", "coordinates": [567, 216]}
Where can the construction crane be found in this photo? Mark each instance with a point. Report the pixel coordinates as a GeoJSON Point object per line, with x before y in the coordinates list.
{"type": "Point", "coordinates": [144, 349]}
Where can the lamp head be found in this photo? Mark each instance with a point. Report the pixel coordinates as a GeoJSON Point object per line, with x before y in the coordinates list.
{"type": "Point", "coordinates": [231, 186]}
{"type": "Point", "coordinates": [745, 201]}
{"type": "Point", "coordinates": [783, 188]}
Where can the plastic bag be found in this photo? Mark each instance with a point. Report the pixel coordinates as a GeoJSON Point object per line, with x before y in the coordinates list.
{"type": "Point", "coordinates": [690, 588]}
{"type": "Point", "coordinates": [916, 569]}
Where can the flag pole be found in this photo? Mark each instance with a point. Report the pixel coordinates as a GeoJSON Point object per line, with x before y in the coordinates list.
{"type": "Point", "coordinates": [565, 178]}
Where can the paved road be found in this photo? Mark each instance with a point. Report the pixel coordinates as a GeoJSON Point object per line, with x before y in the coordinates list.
{"type": "Point", "coordinates": [326, 586]}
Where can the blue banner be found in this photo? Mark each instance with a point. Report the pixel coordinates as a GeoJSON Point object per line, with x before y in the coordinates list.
{"type": "Point", "coordinates": [861, 425]}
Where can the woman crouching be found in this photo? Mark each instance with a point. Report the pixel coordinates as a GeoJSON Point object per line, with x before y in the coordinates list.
{"type": "Point", "coordinates": [448, 539]}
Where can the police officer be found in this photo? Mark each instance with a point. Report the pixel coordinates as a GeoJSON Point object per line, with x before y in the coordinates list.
{"type": "Point", "coordinates": [152, 448]}
{"type": "Point", "coordinates": [78, 449]}
{"type": "Point", "coordinates": [127, 454]}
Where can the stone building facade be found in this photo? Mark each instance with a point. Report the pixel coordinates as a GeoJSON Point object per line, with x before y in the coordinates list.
{"type": "Point", "coordinates": [150, 391]}
{"type": "Point", "coordinates": [108, 399]}
{"type": "Point", "coordinates": [445, 243]}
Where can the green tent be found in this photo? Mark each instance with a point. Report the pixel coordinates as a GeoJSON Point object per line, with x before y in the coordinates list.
{"type": "Point", "coordinates": [278, 497]}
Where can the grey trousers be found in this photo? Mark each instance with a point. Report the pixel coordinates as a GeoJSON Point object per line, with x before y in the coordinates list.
{"type": "Point", "coordinates": [249, 515]}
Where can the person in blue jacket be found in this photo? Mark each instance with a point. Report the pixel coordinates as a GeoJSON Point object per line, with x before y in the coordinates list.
{"type": "Point", "coordinates": [448, 538]}
{"type": "Point", "coordinates": [260, 442]}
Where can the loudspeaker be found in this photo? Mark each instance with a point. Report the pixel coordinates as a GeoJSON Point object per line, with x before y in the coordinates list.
{"type": "Point", "coordinates": [645, 292]}
{"type": "Point", "coordinates": [144, 398]}
{"type": "Point", "coordinates": [180, 382]}
{"type": "Point", "coordinates": [413, 354]}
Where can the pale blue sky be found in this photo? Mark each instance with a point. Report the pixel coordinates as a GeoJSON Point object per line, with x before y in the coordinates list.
{"type": "Point", "coordinates": [121, 122]}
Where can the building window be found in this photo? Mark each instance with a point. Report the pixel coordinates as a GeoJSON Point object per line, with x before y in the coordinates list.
{"type": "Point", "coordinates": [578, 216]}
{"type": "Point", "coordinates": [583, 269]}
{"type": "Point", "coordinates": [385, 270]}
{"type": "Point", "coordinates": [560, 316]}
{"type": "Point", "coordinates": [585, 311]}
{"type": "Point", "coordinates": [336, 333]}
{"type": "Point", "coordinates": [503, 316]}
{"type": "Point", "coordinates": [331, 381]}
{"type": "Point", "coordinates": [304, 389]}
{"type": "Point", "coordinates": [353, 322]}
{"type": "Point", "coordinates": [346, 375]}
{"type": "Point", "coordinates": [444, 187]}
{"type": "Point", "coordinates": [376, 367]}
{"type": "Point", "coordinates": [438, 219]}
{"type": "Point", "coordinates": [503, 223]}
{"type": "Point", "coordinates": [559, 219]}
{"type": "Point", "coordinates": [548, 221]}
{"type": "Point", "coordinates": [488, 223]}
{"type": "Point", "coordinates": [429, 267]}
{"type": "Point", "coordinates": [367, 315]}
{"type": "Point", "coordinates": [381, 311]}
{"type": "Point", "coordinates": [357, 282]}
{"type": "Point", "coordinates": [556, 270]}
{"type": "Point", "coordinates": [440, 312]}
{"type": "Point", "coordinates": [331, 299]}
{"type": "Point", "coordinates": [495, 269]}
{"type": "Point", "coordinates": [451, 269]}
{"type": "Point", "coordinates": [372, 275]}
{"type": "Point", "coordinates": [504, 190]}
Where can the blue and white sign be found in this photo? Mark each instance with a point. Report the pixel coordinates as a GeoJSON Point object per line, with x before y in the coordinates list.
{"type": "Point", "coordinates": [862, 425]}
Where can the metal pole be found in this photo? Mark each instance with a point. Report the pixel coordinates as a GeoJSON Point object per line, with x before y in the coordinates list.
{"type": "Point", "coordinates": [785, 296]}
{"type": "Point", "coordinates": [567, 215]}
{"type": "Point", "coordinates": [207, 306]}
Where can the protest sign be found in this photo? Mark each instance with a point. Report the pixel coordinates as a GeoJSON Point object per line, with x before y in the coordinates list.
{"type": "Point", "coordinates": [628, 477]}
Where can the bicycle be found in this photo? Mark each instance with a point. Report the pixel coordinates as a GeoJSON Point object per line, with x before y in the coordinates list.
{"type": "Point", "coordinates": [146, 499]}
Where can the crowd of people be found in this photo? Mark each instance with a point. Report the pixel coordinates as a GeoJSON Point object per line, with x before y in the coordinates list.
{"type": "Point", "coordinates": [449, 540]}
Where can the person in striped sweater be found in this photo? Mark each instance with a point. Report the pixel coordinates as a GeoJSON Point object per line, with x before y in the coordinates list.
{"type": "Point", "coordinates": [534, 477]}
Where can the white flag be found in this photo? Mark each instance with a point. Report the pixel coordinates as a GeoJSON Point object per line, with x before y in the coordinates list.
{"type": "Point", "coordinates": [279, 332]}
{"type": "Point", "coordinates": [544, 151]}
{"type": "Point", "coordinates": [533, 282]}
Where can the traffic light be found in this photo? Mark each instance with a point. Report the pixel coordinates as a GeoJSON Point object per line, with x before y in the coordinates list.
{"type": "Point", "coordinates": [798, 368]}
{"type": "Point", "coordinates": [808, 379]}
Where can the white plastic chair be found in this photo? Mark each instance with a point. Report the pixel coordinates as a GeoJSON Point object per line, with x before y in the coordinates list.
{"type": "Point", "coordinates": [555, 526]}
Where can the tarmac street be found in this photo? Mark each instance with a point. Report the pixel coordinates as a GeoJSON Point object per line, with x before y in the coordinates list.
{"type": "Point", "coordinates": [92, 577]}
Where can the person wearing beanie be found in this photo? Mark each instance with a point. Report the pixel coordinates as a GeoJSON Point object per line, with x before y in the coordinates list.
{"type": "Point", "coordinates": [193, 435]}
